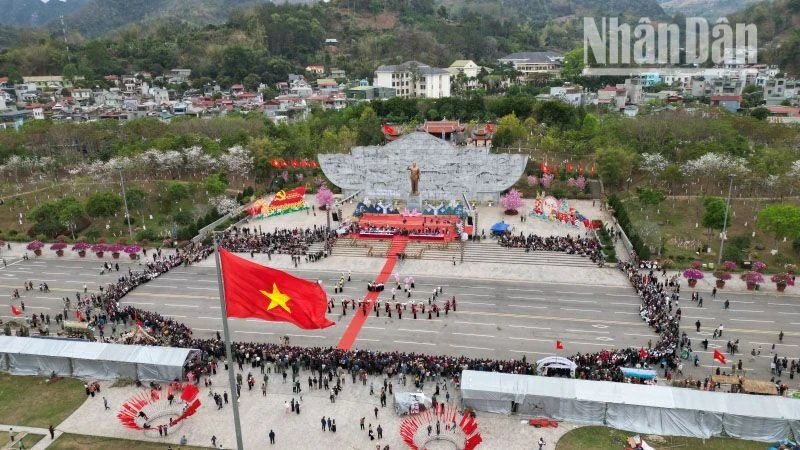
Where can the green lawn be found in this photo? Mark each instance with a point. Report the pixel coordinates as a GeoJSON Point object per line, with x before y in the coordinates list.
{"type": "Point", "coordinates": [29, 440]}
{"type": "Point", "coordinates": [82, 442]}
{"type": "Point", "coordinates": [34, 402]}
{"type": "Point", "coordinates": [603, 438]}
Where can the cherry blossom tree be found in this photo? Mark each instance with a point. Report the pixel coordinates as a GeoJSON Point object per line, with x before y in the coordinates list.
{"type": "Point", "coordinates": [653, 163]}
{"type": "Point", "coordinates": [532, 180]}
{"type": "Point", "coordinates": [511, 202]}
{"type": "Point", "coordinates": [324, 197]}
{"type": "Point", "coordinates": [546, 180]}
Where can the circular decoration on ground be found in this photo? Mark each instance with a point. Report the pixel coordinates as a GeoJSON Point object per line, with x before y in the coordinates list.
{"type": "Point", "coordinates": [442, 423]}
{"type": "Point", "coordinates": [158, 408]}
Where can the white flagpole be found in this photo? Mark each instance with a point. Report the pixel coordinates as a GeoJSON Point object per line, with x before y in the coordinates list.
{"type": "Point", "coordinates": [228, 353]}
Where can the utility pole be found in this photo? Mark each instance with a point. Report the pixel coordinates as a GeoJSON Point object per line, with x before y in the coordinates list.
{"type": "Point", "coordinates": [725, 220]}
{"type": "Point", "coordinates": [125, 200]}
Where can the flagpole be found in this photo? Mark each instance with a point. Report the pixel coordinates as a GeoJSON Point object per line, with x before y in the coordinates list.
{"type": "Point", "coordinates": [228, 353]}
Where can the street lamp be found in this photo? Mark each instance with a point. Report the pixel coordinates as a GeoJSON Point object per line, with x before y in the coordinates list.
{"type": "Point", "coordinates": [125, 200]}
{"type": "Point", "coordinates": [725, 219]}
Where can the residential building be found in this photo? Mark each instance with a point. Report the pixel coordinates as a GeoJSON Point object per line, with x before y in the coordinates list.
{"type": "Point", "coordinates": [47, 82]}
{"type": "Point", "coordinates": [778, 90]}
{"type": "Point", "coordinates": [613, 97]}
{"type": "Point", "coordinates": [568, 93]}
{"type": "Point", "coordinates": [465, 71]}
{"type": "Point", "coordinates": [784, 114]}
{"type": "Point", "coordinates": [316, 70]}
{"type": "Point", "coordinates": [534, 64]}
{"type": "Point", "coordinates": [160, 95]}
{"type": "Point", "coordinates": [178, 76]}
{"type": "Point", "coordinates": [368, 93]}
{"type": "Point", "coordinates": [633, 91]}
{"type": "Point", "coordinates": [338, 73]}
{"type": "Point", "coordinates": [414, 79]}
{"type": "Point", "coordinates": [730, 102]}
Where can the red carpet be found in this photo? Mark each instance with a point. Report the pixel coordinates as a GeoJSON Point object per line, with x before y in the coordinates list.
{"type": "Point", "coordinates": [350, 335]}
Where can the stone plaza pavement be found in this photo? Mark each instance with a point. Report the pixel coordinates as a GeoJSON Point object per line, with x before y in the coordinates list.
{"type": "Point", "coordinates": [260, 414]}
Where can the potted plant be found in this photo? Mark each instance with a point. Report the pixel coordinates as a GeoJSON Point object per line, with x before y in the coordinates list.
{"type": "Point", "coordinates": [729, 266]}
{"type": "Point", "coordinates": [99, 249]}
{"type": "Point", "coordinates": [752, 279]}
{"type": "Point", "coordinates": [692, 275]}
{"type": "Point", "coordinates": [36, 246]}
{"type": "Point", "coordinates": [59, 248]}
{"type": "Point", "coordinates": [790, 268]}
{"type": "Point", "coordinates": [759, 267]}
{"type": "Point", "coordinates": [697, 264]}
{"type": "Point", "coordinates": [781, 280]}
{"type": "Point", "coordinates": [132, 250]}
{"type": "Point", "coordinates": [81, 248]}
{"type": "Point", "coordinates": [721, 276]}
{"type": "Point", "coordinates": [115, 249]}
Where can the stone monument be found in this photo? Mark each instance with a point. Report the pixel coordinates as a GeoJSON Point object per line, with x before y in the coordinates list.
{"type": "Point", "coordinates": [413, 202]}
{"type": "Point", "coordinates": [450, 171]}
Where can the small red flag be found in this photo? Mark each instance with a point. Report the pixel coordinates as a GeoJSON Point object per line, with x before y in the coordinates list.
{"type": "Point", "coordinates": [295, 164]}
{"type": "Point", "coordinates": [569, 167]}
{"type": "Point", "coordinates": [388, 130]}
{"type": "Point", "coordinates": [15, 311]}
{"type": "Point", "coordinates": [559, 345]}
{"type": "Point", "coordinates": [719, 357]}
{"type": "Point", "coordinates": [78, 315]}
{"type": "Point", "coordinates": [642, 353]}
{"type": "Point", "coordinates": [545, 169]}
{"type": "Point", "coordinates": [253, 290]}
{"type": "Point", "coordinates": [580, 168]}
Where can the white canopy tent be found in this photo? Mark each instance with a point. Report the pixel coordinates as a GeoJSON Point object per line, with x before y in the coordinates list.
{"type": "Point", "coordinates": [634, 407]}
{"type": "Point", "coordinates": [43, 356]}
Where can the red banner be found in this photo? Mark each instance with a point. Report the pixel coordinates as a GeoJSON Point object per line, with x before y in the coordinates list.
{"type": "Point", "coordinates": [286, 202]}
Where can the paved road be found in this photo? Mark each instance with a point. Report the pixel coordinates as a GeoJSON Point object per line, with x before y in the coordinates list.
{"type": "Point", "coordinates": [497, 319]}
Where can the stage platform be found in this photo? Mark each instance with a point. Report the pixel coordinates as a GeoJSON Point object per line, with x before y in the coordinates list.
{"type": "Point", "coordinates": [418, 227]}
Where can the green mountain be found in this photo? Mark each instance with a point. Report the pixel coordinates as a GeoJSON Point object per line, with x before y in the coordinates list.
{"type": "Point", "coordinates": [710, 9]}
{"type": "Point", "coordinates": [35, 13]}
{"type": "Point", "coordinates": [778, 23]}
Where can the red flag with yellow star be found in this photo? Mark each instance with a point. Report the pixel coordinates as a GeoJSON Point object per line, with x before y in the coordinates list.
{"type": "Point", "coordinates": [253, 290]}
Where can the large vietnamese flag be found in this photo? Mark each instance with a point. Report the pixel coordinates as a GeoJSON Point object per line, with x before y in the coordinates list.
{"type": "Point", "coordinates": [253, 290]}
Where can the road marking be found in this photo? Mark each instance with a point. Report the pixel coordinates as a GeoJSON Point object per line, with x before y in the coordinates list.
{"type": "Point", "coordinates": [474, 335]}
{"type": "Point", "coordinates": [578, 301]}
{"type": "Point", "coordinates": [531, 353]}
{"type": "Point", "coordinates": [770, 343]}
{"type": "Point", "coordinates": [414, 343]}
{"type": "Point", "coordinates": [253, 332]}
{"type": "Point", "coordinates": [197, 288]}
{"type": "Point", "coordinates": [625, 304]}
{"type": "Point", "coordinates": [173, 315]}
{"type": "Point", "coordinates": [626, 312]}
{"type": "Point", "coordinates": [44, 298]}
{"type": "Point", "coordinates": [530, 339]}
{"type": "Point", "coordinates": [590, 343]}
{"type": "Point", "coordinates": [475, 295]}
{"type": "Point", "coordinates": [704, 318]}
{"type": "Point", "coordinates": [416, 331]}
{"type": "Point", "coordinates": [528, 306]}
{"type": "Point", "coordinates": [54, 273]}
{"type": "Point", "coordinates": [314, 336]}
{"type": "Point", "coordinates": [574, 293]}
{"type": "Point", "coordinates": [203, 329]}
{"type": "Point", "coordinates": [140, 303]}
{"type": "Point", "coordinates": [578, 309]}
{"type": "Point", "coordinates": [475, 303]}
{"type": "Point", "coordinates": [473, 348]}
{"type": "Point", "coordinates": [642, 335]}
{"type": "Point", "coordinates": [752, 320]}
{"type": "Point", "coordinates": [182, 279]}
{"type": "Point", "coordinates": [39, 307]}
{"type": "Point", "coordinates": [531, 328]}
{"type": "Point", "coordinates": [175, 305]}
{"type": "Point", "coordinates": [781, 304]}
{"type": "Point", "coordinates": [746, 310]}
{"type": "Point", "coordinates": [477, 323]}
{"type": "Point", "coordinates": [370, 340]}
{"type": "Point", "coordinates": [622, 295]}
{"type": "Point", "coordinates": [210, 318]}
{"type": "Point", "coordinates": [526, 298]}
{"type": "Point", "coordinates": [374, 328]}
{"type": "Point", "coordinates": [588, 331]}
{"type": "Point", "coordinates": [788, 313]}
{"type": "Point", "coordinates": [168, 287]}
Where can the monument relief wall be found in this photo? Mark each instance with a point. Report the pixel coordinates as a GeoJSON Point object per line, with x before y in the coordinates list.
{"type": "Point", "coordinates": [447, 171]}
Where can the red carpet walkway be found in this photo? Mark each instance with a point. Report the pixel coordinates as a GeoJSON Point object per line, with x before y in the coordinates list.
{"type": "Point", "coordinates": [349, 337]}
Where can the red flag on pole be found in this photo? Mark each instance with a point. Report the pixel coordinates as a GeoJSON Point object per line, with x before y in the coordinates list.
{"type": "Point", "coordinates": [569, 167]}
{"type": "Point", "coordinates": [580, 168]}
{"type": "Point", "coordinates": [559, 345]}
{"type": "Point", "coordinates": [719, 356]}
{"type": "Point", "coordinates": [15, 311]}
{"type": "Point", "coordinates": [138, 322]}
{"type": "Point", "coordinates": [253, 290]}
{"type": "Point", "coordinates": [642, 353]}
{"type": "Point", "coordinates": [388, 130]}
{"type": "Point", "coordinates": [545, 169]}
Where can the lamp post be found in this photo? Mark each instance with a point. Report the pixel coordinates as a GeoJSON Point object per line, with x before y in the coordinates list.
{"type": "Point", "coordinates": [125, 200]}
{"type": "Point", "coordinates": [725, 219]}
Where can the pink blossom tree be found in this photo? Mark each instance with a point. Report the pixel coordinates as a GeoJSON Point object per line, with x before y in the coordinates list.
{"type": "Point", "coordinates": [532, 180]}
{"type": "Point", "coordinates": [511, 202]}
{"type": "Point", "coordinates": [324, 197]}
{"type": "Point", "coordinates": [546, 180]}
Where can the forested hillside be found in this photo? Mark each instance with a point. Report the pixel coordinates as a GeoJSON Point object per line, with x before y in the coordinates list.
{"type": "Point", "coordinates": [778, 25]}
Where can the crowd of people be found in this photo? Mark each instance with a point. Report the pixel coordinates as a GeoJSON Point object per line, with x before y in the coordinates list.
{"type": "Point", "coordinates": [293, 241]}
{"type": "Point", "coordinates": [366, 228]}
{"type": "Point", "coordinates": [571, 245]}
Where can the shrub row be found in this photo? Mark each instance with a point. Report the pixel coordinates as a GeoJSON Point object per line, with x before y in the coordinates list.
{"type": "Point", "coordinates": [621, 213]}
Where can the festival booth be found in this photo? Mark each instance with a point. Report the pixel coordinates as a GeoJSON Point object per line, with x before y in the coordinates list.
{"type": "Point", "coordinates": [499, 228]}
{"type": "Point", "coordinates": [43, 356]}
{"type": "Point", "coordinates": [635, 407]}
{"type": "Point", "coordinates": [556, 365]}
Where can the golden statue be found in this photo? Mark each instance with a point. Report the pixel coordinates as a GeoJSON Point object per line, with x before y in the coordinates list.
{"type": "Point", "coordinates": [414, 173]}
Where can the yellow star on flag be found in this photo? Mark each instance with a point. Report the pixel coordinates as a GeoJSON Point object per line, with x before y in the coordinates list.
{"type": "Point", "coordinates": [277, 298]}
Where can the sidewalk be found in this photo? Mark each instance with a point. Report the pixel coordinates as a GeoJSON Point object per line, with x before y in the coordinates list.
{"type": "Point", "coordinates": [42, 444]}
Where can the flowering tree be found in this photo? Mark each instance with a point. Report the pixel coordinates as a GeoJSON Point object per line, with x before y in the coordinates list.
{"type": "Point", "coordinates": [224, 205]}
{"type": "Point", "coordinates": [237, 161]}
{"type": "Point", "coordinates": [546, 180]}
{"type": "Point", "coordinates": [512, 201]}
{"type": "Point", "coordinates": [324, 197]}
{"type": "Point", "coordinates": [652, 163]}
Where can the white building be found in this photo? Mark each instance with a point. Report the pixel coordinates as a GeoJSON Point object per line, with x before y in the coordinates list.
{"type": "Point", "coordinates": [531, 64]}
{"type": "Point", "coordinates": [414, 79]}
